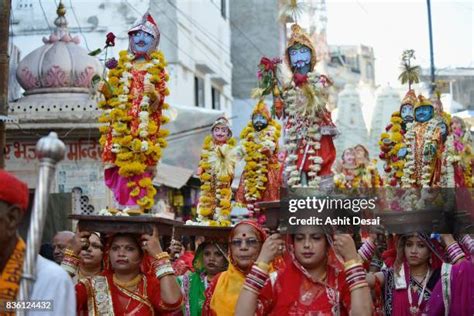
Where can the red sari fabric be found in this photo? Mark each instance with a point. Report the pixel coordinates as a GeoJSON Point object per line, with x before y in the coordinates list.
{"type": "Point", "coordinates": [294, 292]}
{"type": "Point", "coordinates": [145, 301]}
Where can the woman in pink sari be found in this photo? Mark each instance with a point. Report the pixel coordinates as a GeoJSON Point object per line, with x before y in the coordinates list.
{"type": "Point", "coordinates": [408, 285]}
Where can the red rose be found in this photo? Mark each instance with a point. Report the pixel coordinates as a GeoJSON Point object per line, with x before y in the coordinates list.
{"type": "Point", "coordinates": [393, 182]}
{"type": "Point", "coordinates": [266, 63]}
{"type": "Point", "coordinates": [382, 155]}
{"type": "Point", "coordinates": [394, 158]}
{"type": "Point", "coordinates": [110, 39]}
{"type": "Point", "coordinates": [300, 79]}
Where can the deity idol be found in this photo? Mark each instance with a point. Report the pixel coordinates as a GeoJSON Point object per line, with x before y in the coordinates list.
{"type": "Point", "coordinates": [132, 138]}
{"type": "Point", "coordinates": [216, 171]}
{"type": "Point", "coordinates": [309, 127]}
{"type": "Point", "coordinates": [260, 180]}
{"type": "Point", "coordinates": [424, 145]}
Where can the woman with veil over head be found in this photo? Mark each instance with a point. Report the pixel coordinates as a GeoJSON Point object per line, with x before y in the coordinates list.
{"type": "Point", "coordinates": [312, 281]}
{"type": "Point", "coordinates": [210, 259]}
{"type": "Point", "coordinates": [137, 279]}
{"type": "Point", "coordinates": [246, 239]}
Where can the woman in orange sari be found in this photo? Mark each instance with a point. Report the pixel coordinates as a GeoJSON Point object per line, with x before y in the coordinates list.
{"type": "Point", "coordinates": [313, 281]}
{"type": "Point", "coordinates": [246, 240]}
{"type": "Point", "coordinates": [138, 279]}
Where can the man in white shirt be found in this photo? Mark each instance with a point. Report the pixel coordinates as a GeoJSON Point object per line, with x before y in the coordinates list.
{"type": "Point", "coordinates": [52, 282]}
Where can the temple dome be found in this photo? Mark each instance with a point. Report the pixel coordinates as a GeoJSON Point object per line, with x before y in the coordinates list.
{"type": "Point", "coordinates": [60, 65]}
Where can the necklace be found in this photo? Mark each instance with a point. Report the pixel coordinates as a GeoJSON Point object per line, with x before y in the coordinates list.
{"type": "Point", "coordinates": [414, 310]}
{"type": "Point", "coordinates": [128, 284]}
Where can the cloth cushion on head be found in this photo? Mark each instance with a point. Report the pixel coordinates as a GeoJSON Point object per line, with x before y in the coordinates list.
{"type": "Point", "coordinates": [13, 191]}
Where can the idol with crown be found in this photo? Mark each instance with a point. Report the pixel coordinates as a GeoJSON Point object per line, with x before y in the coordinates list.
{"type": "Point", "coordinates": [216, 172]}
{"type": "Point", "coordinates": [132, 136]}
{"type": "Point", "coordinates": [309, 129]}
{"type": "Point", "coordinates": [392, 141]}
{"type": "Point", "coordinates": [261, 178]}
{"type": "Point", "coordinates": [424, 147]}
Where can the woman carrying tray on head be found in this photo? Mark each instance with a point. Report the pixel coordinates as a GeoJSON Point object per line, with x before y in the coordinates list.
{"type": "Point", "coordinates": [313, 281]}
{"type": "Point", "coordinates": [91, 258]}
{"type": "Point", "coordinates": [137, 279]}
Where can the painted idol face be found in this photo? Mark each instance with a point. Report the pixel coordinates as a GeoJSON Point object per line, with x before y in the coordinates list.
{"type": "Point", "coordinates": [259, 122]}
{"type": "Point", "coordinates": [220, 133]}
{"type": "Point", "coordinates": [300, 58]}
{"type": "Point", "coordinates": [141, 42]}
{"type": "Point", "coordinates": [407, 113]}
{"type": "Point", "coordinates": [424, 113]}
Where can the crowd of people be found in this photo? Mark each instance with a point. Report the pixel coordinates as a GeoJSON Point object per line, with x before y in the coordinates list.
{"type": "Point", "coordinates": [309, 272]}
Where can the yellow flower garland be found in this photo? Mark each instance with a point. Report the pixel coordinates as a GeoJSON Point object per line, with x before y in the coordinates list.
{"type": "Point", "coordinates": [134, 151]}
{"type": "Point", "coordinates": [216, 192]}
{"type": "Point", "coordinates": [396, 138]}
{"type": "Point", "coordinates": [256, 167]}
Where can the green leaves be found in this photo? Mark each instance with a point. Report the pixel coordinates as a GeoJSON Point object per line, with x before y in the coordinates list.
{"type": "Point", "coordinates": [410, 74]}
{"type": "Point", "coordinates": [95, 52]}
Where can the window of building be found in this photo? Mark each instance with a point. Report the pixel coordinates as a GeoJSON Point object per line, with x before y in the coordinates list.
{"type": "Point", "coordinates": [199, 92]}
{"type": "Point", "coordinates": [223, 9]}
{"type": "Point", "coordinates": [216, 99]}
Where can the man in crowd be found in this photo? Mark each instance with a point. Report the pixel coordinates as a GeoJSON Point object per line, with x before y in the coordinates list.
{"type": "Point", "coordinates": [51, 282]}
{"type": "Point", "coordinates": [60, 242]}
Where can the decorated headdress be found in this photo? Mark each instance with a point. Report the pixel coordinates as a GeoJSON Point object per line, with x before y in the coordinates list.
{"type": "Point", "coordinates": [222, 121]}
{"type": "Point", "coordinates": [410, 98]}
{"type": "Point", "coordinates": [422, 101]}
{"type": "Point", "coordinates": [261, 108]}
{"type": "Point", "coordinates": [147, 24]}
{"type": "Point", "coordinates": [298, 36]}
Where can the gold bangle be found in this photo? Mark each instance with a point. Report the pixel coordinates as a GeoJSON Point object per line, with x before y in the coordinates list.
{"type": "Point", "coordinates": [351, 264]}
{"type": "Point", "coordinates": [359, 286]}
{"type": "Point", "coordinates": [162, 255]}
{"type": "Point", "coordinates": [262, 265]}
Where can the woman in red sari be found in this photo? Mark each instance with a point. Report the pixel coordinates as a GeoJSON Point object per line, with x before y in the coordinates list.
{"type": "Point", "coordinates": [246, 240]}
{"type": "Point", "coordinates": [138, 279]}
{"type": "Point", "coordinates": [312, 282]}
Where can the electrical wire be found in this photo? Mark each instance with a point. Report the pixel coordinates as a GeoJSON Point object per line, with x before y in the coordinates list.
{"type": "Point", "coordinates": [79, 25]}
{"type": "Point", "coordinates": [45, 16]}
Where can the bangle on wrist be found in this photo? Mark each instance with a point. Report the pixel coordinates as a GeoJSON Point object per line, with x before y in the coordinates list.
{"type": "Point", "coordinates": [262, 265]}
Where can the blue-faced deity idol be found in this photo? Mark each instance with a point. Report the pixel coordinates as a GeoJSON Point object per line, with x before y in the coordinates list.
{"type": "Point", "coordinates": [259, 122]}
{"type": "Point", "coordinates": [142, 42]}
{"type": "Point", "coordinates": [300, 58]}
{"type": "Point", "coordinates": [424, 113]}
{"type": "Point", "coordinates": [406, 112]}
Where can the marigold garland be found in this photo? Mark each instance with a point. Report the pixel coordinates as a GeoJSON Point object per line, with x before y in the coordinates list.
{"type": "Point", "coordinates": [216, 192]}
{"type": "Point", "coordinates": [390, 144]}
{"type": "Point", "coordinates": [135, 152]}
{"type": "Point", "coordinates": [254, 144]}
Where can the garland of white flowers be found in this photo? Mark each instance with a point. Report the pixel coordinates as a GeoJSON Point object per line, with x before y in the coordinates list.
{"type": "Point", "coordinates": [449, 157]}
{"type": "Point", "coordinates": [296, 114]}
{"type": "Point", "coordinates": [426, 169]}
